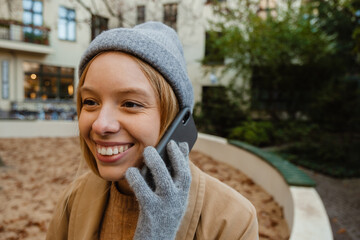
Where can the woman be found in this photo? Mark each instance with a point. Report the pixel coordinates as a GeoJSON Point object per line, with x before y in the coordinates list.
{"type": "Point", "coordinates": [132, 84]}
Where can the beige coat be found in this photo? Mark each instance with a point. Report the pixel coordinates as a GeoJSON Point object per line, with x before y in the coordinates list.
{"type": "Point", "coordinates": [215, 211]}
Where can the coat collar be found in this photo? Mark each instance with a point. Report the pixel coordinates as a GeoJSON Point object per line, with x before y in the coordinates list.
{"type": "Point", "coordinates": [191, 218]}
{"type": "Point", "coordinates": [89, 206]}
{"type": "Point", "coordinates": [90, 203]}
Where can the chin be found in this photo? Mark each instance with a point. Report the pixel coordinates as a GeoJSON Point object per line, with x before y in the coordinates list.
{"type": "Point", "coordinates": [112, 176]}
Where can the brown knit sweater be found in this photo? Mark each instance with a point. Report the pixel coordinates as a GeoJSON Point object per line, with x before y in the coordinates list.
{"type": "Point", "coordinates": [120, 218]}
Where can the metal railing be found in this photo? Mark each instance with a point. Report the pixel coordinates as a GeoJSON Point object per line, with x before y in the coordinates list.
{"type": "Point", "coordinates": [17, 31]}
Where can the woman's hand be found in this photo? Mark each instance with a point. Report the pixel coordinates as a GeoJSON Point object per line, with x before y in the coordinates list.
{"type": "Point", "coordinates": [162, 209]}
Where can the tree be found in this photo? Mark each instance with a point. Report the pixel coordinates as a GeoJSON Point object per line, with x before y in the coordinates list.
{"type": "Point", "coordinates": [290, 57]}
{"type": "Point", "coordinates": [342, 19]}
{"type": "Point", "coordinates": [302, 63]}
{"type": "Point", "coordinates": [115, 8]}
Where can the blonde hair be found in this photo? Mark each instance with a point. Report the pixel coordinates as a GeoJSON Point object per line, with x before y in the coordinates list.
{"type": "Point", "coordinates": [167, 102]}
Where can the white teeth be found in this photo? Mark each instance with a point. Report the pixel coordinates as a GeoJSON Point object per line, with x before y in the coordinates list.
{"type": "Point", "coordinates": [108, 151]}
{"type": "Point", "coordinates": [115, 151]}
{"type": "Point", "coordinates": [103, 151]}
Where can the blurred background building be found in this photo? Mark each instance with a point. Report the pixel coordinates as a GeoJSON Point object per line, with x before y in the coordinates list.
{"type": "Point", "coordinates": [41, 42]}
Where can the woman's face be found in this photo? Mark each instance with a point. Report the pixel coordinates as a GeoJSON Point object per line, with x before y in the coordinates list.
{"type": "Point", "coordinates": [120, 114]}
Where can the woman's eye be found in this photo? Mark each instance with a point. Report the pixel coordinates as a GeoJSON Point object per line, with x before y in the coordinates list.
{"type": "Point", "coordinates": [89, 102]}
{"type": "Point", "coordinates": [132, 105]}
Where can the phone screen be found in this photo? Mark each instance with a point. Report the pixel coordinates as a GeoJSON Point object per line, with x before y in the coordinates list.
{"type": "Point", "coordinates": [182, 129]}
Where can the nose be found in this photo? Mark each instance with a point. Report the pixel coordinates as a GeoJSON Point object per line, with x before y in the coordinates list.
{"type": "Point", "coordinates": [106, 122]}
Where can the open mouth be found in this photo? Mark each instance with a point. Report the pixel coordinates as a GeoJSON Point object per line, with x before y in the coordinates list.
{"type": "Point", "coordinates": [112, 150]}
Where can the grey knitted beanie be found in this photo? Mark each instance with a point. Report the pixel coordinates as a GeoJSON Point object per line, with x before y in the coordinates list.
{"type": "Point", "coordinates": [154, 43]}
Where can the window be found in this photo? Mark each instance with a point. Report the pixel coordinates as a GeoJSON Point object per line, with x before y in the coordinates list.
{"type": "Point", "coordinates": [215, 1]}
{"type": "Point", "coordinates": [67, 24]}
{"type": "Point", "coordinates": [5, 79]}
{"type": "Point", "coordinates": [213, 53]}
{"type": "Point", "coordinates": [32, 15]}
{"type": "Point", "coordinates": [214, 98]}
{"type": "Point", "coordinates": [98, 25]}
{"type": "Point", "coordinates": [170, 15]}
{"type": "Point", "coordinates": [48, 82]}
{"type": "Point", "coordinates": [267, 94]}
{"type": "Point", "coordinates": [267, 8]}
{"type": "Point", "coordinates": [140, 14]}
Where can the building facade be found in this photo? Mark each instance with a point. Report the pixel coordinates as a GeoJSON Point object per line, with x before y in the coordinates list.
{"type": "Point", "coordinates": [41, 43]}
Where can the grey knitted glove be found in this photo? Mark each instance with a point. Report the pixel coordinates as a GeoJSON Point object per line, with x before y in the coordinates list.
{"type": "Point", "coordinates": [161, 209]}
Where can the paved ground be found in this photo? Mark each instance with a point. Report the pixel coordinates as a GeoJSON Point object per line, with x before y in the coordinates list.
{"type": "Point", "coordinates": [342, 202]}
{"type": "Point", "coordinates": [27, 204]}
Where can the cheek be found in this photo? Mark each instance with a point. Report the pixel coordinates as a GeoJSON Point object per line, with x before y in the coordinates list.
{"type": "Point", "coordinates": [84, 125]}
{"type": "Point", "coordinates": [154, 133]}
{"type": "Point", "coordinates": [148, 131]}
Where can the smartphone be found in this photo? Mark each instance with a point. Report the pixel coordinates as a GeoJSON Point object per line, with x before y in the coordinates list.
{"type": "Point", "coordinates": [182, 129]}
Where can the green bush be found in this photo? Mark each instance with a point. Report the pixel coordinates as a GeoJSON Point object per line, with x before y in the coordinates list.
{"type": "Point", "coordinates": [336, 155]}
{"type": "Point", "coordinates": [338, 106]}
{"type": "Point", "coordinates": [293, 131]}
{"type": "Point", "coordinates": [304, 82]}
{"type": "Point", "coordinates": [218, 113]}
{"type": "Point", "coordinates": [267, 133]}
{"type": "Point", "coordinates": [255, 133]}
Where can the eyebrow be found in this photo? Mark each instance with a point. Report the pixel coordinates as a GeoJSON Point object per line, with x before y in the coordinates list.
{"type": "Point", "coordinates": [132, 90]}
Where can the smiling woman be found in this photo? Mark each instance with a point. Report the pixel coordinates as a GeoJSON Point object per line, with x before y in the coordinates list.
{"type": "Point", "coordinates": [118, 112]}
{"type": "Point", "coordinates": [133, 82]}
{"type": "Point", "coordinates": [133, 96]}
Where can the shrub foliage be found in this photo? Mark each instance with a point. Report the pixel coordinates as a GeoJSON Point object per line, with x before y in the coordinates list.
{"type": "Point", "coordinates": [301, 67]}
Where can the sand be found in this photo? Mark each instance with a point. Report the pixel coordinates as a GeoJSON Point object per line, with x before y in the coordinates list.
{"type": "Point", "coordinates": [38, 169]}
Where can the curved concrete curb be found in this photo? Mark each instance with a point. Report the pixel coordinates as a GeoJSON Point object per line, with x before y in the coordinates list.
{"type": "Point", "coordinates": [303, 209]}
{"type": "Point", "coordinates": [292, 174]}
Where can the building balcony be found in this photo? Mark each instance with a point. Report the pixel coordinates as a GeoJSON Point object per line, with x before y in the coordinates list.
{"type": "Point", "coordinates": [20, 37]}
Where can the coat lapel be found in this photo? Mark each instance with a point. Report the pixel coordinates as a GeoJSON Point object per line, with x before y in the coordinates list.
{"type": "Point", "coordinates": [191, 218]}
{"type": "Point", "coordinates": [90, 203]}
{"type": "Point", "coordinates": [89, 206]}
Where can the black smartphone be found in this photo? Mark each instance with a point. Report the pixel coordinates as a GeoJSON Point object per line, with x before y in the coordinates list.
{"type": "Point", "coordinates": [182, 129]}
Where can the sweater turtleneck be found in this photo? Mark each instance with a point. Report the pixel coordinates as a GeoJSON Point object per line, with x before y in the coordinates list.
{"type": "Point", "coordinates": [120, 217]}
